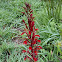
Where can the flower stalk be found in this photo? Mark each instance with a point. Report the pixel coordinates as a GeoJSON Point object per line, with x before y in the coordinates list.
{"type": "Point", "coordinates": [30, 31]}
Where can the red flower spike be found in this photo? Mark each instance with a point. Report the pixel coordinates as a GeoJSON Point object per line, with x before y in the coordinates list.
{"type": "Point", "coordinates": [22, 33]}
{"type": "Point", "coordinates": [37, 35]}
{"type": "Point", "coordinates": [39, 41]}
{"type": "Point", "coordinates": [25, 42]}
{"type": "Point", "coordinates": [30, 31]}
{"type": "Point", "coordinates": [23, 51]}
{"type": "Point", "coordinates": [30, 48]}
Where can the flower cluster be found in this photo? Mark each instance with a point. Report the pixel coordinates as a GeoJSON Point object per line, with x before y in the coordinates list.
{"type": "Point", "coordinates": [30, 31]}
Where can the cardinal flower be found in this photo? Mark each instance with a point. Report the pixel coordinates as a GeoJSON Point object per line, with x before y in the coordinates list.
{"type": "Point", "coordinates": [31, 40]}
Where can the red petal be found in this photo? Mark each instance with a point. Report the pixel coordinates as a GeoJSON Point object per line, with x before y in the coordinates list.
{"type": "Point", "coordinates": [26, 26]}
{"type": "Point", "coordinates": [28, 57]}
{"type": "Point", "coordinates": [36, 29]}
{"type": "Point", "coordinates": [40, 47]}
{"type": "Point", "coordinates": [25, 42]}
{"type": "Point", "coordinates": [31, 11]}
{"type": "Point", "coordinates": [34, 42]}
{"type": "Point", "coordinates": [23, 51]}
{"type": "Point", "coordinates": [39, 40]}
{"type": "Point", "coordinates": [29, 32]}
{"type": "Point", "coordinates": [22, 33]}
{"type": "Point", "coordinates": [35, 52]}
{"type": "Point", "coordinates": [31, 15]}
{"type": "Point", "coordinates": [35, 39]}
{"type": "Point", "coordinates": [37, 35]}
{"type": "Point", "coordinates": [35, 59]}
{"type": "Point", "coordinates": [23, 12]}
{"type": "Point", "coordinates": [30, 48]}
{"type": "Point", "coordinates": [23, 21]}
{"type": "Point", "coordinates": [25, 58]}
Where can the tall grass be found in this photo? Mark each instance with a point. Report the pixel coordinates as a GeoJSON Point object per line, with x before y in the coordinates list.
{"type": "Point", "coordinates": [54, 9]}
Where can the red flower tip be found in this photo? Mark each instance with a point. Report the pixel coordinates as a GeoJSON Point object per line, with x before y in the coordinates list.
{"type": "Point", "coordinates": [30, 48]}
{"type": "Point", "coordinates": [39, 41]}
{"type": "Point", "coordinates": [37, 35]}
{"type": "Point", "coordinates": [25, 42]}
{"type": "Point", "coordinates": [27, 5]}
{"type": "Point", "coordinates": [23, 51]}
{"type": "Point", "coordinates": [22, 33]}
